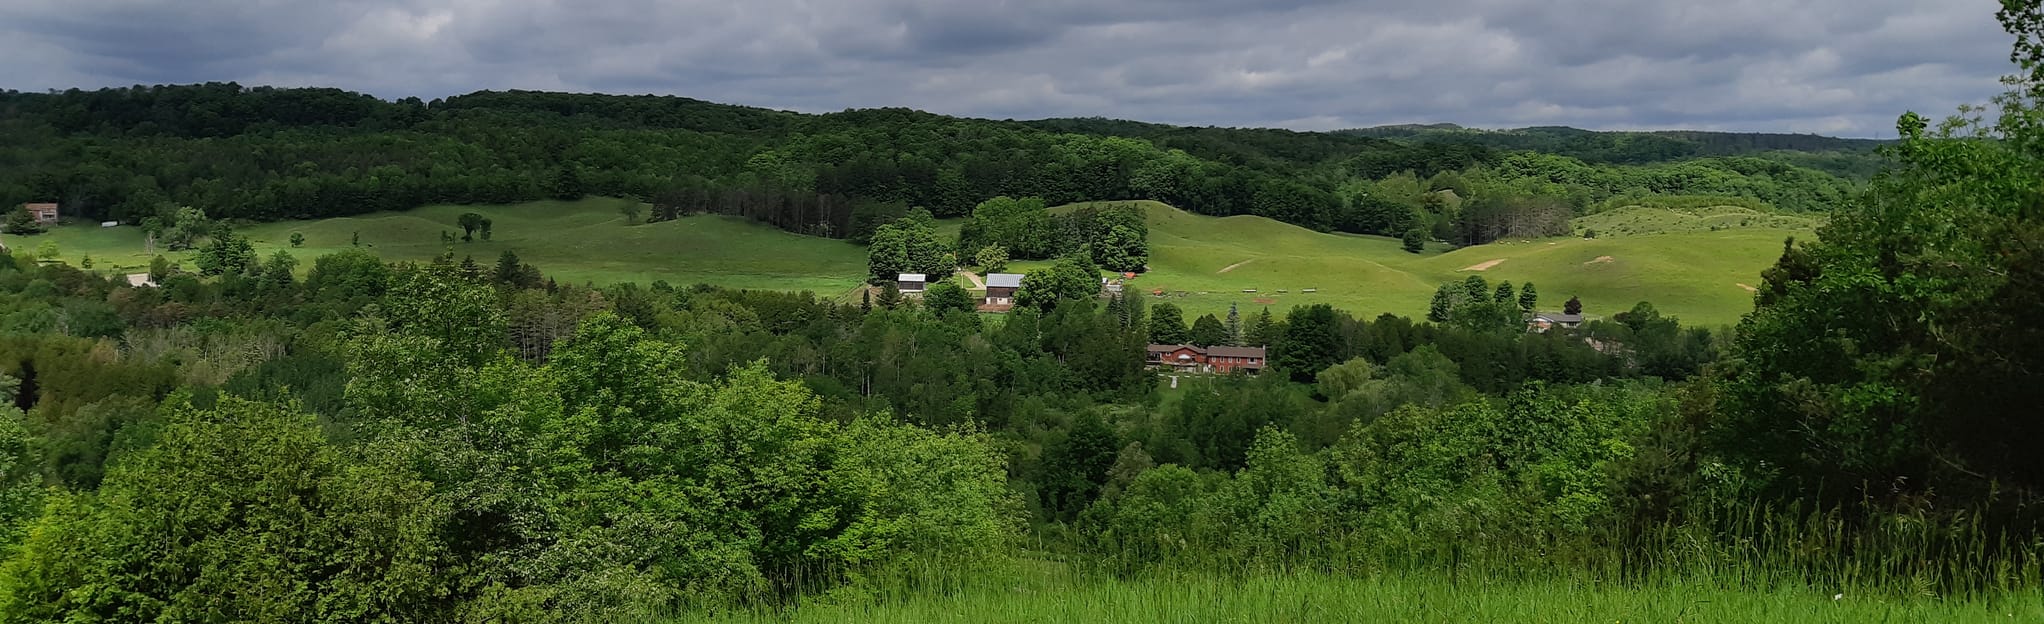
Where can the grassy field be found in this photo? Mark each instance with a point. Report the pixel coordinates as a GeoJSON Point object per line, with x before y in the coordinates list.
{"type": "Point", "coordinates": [1205, 263]}
{"type": "Point", "coordinates": [1320, 598]}
{"type": "Point", "coordinates": [575, 242]}
{"type": "Point", "coordinates": [1644, 220]}
{"type": "Point", "coordinates": [1201, 263]}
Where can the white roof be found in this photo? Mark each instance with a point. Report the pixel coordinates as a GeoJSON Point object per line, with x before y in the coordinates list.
{"type": "Point", "coordinates": [139, 280]}
{"type": "Point", "coordinates": [1004, 280]}
{"type": "Point", "coordinates": [909, 277]}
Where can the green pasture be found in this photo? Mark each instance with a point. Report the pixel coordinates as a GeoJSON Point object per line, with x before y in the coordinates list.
{"type": "Point", "coordinates": [1204, 264]}
{"type": "Point", "coordinates": [575, 242]}
{"type": "Point", "coordinates": [1201, 263]}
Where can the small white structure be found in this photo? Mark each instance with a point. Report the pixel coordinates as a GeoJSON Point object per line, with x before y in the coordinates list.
{"type": "Point", "coordinates": [141, 280]}
{"type": "Point", "coordinates": [911, 283]}
{"type": "Point", "coordinates": [107, 224]}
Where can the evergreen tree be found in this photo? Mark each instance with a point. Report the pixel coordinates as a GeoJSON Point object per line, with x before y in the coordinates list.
{"type": "Point", "coordinates": [1264, 332]}
{"type": "Point", "coordinates": [1505, 295]}
{"type": "Point", "coordinates": [1476, 289]}
{"type": "Point", "coordinates": [1528, 298]}
{"type": "Point", "coordinates": [1573, 306]}
{"type": "Point", "coordinates": [1234, 325]}
{"type": "Point", "coordinates": [865, 300]}
{"type": "Point", "coordinates": [1208, 331]}
{"type": "Point", "coordinates": [1443, 306]}
{"type": "Point", "coordinates": [890, 296]}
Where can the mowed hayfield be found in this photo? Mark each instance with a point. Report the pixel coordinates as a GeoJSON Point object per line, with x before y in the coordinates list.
{"type": "Point", "coordinates": [1204, 264]}
{"type": "Point", "coordinates": [586, 241]}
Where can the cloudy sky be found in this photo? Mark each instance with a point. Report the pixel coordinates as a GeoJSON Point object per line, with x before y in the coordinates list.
{"type": "Point", "coordinates": [1843, 67]}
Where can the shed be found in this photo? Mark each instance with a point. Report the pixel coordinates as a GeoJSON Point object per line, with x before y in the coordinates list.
{"type": "Point", "coordinates": [1001, 288]}
{"type": "Point", "coordinates": [44, 213]}
{"type": "Point", "coordinates": [911, 282]}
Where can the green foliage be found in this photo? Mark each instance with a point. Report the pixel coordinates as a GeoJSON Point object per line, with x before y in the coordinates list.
{"type": "Point", "coordinates": [469, 222]}
{"type": "Point", "coordinates": [908, 245]}
{"type": "Point", "coordinates": [1208, 331]}
{"type": "Point", "coordinates": [1310, 343]}
{"type": "Point", "coordinates": [227, 254]}
{"type": "Point", "coordinates": [1073, 277]}
{"type": "Point", "coordinates": [21, 223]}
{"type": "Point", "coordinates": [991, 258]}
{"type": "Point", "coordinates": [1167, 325]}
{"type": "Point", "coordinates": [890, 296]}
{"type": "Point", "coordinates": [241, 512]}
{"type": "Point", "coordinates": [1902, 346]}
{"type": "Point", "coordinates": [297, 239]}
{"type": "Point", "coordinates": [1415, 240]}
{"type": "Point", "coordinates": [1529, 298]}
{"type": "Point", "coordinates": [947, 297]}
{"type": "Point", "coordinates": [1572, 306]}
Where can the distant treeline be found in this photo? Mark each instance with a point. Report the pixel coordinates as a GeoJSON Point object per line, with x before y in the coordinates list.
{"type": "Point", "coordinates": [1845, 157]}
{"type": "Point", "coordinates": [268, 154]}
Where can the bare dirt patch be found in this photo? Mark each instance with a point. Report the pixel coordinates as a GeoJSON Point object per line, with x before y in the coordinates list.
{"type": "Point", "coordinates": [1484, 266]}
{"type": "Point", "coordinates": [1264, 300]}
{"type": "Point", "coordinates": [1749, 288]}
{"type": "Point", "coordinates": [1234, 266]}
{"type": "Point", "coordinates": [1600, 260]}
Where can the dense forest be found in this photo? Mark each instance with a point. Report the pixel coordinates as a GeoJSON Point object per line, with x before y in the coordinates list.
{"type": "Point", "coordinates": [467, 440]}
{"type": "Point", "coordinates": [269, 154]}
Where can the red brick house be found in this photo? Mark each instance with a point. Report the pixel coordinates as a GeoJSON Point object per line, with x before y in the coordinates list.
{"type": "Point", "coordinates": [1229, 359]}
{"type": "Point", "coordinates": [1195, 359]}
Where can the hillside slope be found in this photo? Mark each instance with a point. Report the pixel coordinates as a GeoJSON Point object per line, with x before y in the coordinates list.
{"type": "Point", "coordinates": [1205, 263]}
{"type": "Point", "coordinates": [573, 242]}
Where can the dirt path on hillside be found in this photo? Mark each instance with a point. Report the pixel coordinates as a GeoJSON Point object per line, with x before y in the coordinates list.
{"type": "Point", "coordinates": [1234, 266]}
{"type": "Point", "coordinates": [1484, 266]}
{"type": "Point", "coordinates": [1600, 260]}
{"type": "Point", "coordinates": [1749, 288]}
{"type": "Point", "coordinates": [977, 284]}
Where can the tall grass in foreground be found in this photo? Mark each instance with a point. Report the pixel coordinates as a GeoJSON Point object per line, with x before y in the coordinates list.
{"type": "Point", "coordinates": [1049, 597]}
{"type": "Point", "coordinates": [1732, 565]}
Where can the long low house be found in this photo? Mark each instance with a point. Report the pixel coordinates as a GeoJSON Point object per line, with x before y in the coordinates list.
{"type": "Point", "coordinates": [1197, 359]}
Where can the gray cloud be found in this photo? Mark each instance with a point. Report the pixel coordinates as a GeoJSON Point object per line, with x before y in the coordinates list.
{"type": "Point", "coordinates": [1832, 66]}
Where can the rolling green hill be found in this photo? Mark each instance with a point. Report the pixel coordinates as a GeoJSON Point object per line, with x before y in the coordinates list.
{"type": "Point", "coordinates": [1203, 264]}
{"type": "Point", "coordinates": [575, 242]}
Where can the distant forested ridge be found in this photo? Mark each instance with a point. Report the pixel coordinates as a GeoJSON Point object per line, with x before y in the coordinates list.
{"type": "Point", "coordinates": [267, 154]}
{"type": "Point", "coordinates": [1840, 156]}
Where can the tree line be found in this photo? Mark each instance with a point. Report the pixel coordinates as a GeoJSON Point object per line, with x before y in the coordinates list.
{"type": "Point", "coordinates": [128, 154]}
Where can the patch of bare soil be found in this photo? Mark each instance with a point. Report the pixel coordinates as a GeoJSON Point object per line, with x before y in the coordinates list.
{"type": "Point", "coordinates": [1484, 266]}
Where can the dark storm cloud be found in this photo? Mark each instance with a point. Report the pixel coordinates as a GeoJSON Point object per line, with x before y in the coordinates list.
{"type": "Point", "coordinates": [1831, 66]}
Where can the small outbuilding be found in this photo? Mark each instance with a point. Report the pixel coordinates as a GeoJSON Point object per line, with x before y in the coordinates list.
{"type": "Point", "coordinates": [1549, 320]}
{"type": "Point", "coordinates": [1001, 288]}
{"type": "Point", "coordinates": [44, 213]}
{"type": "Point", "coordinates": [911, 283]}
